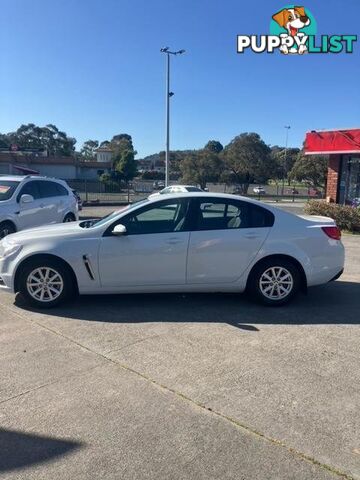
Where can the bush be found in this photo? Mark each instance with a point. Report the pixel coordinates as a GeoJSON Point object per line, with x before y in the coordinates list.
{"type": "Point", "coordinates": [346, 218]}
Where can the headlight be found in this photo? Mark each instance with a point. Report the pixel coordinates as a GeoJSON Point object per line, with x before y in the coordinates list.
{"type": "Point", "coordinates": [8, 248]}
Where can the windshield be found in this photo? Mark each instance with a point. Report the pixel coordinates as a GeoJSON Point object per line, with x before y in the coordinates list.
{"type": "Point", "coordinates": [7, 188]}
{"type": "Point", "coordinates": [113, 215]}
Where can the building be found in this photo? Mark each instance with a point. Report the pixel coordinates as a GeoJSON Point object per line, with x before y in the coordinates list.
{"type": "Point", "coordinates": [68, 168]}
{"type": "Point", "coordinates": [343, 149]}
{"type": "Point", "coordinates": [104, 155]}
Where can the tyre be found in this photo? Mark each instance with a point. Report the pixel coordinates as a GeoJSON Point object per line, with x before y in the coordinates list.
{"type": "Point", "coordinates": [274, 282]}
{"type": "Point", "coordinates": [6, 228]}
{"type": "Point", "coordinates": [69, 217]}
{"type": "Point", "coordinates": [45, 283]}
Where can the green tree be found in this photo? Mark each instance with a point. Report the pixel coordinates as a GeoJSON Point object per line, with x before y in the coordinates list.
{"type": "Point", "coordinates": [88, 149]}
{"type": "Point", "coordinates": [126, 165]}
{"type": "Point", "coordinates": [310, 169]}
{"type": "Point", "coordinates": [284, 160]}
{"type": "Point", "coordinates": [247, 158]}
{"type": "Point", "coordinates": [201, 167]}
{"type": "Point", "coordinates": [214, 146]}
{"type": "Point", "coordinates": [121, 143]}
{"type": "Point", "coordinates": [48, 138]}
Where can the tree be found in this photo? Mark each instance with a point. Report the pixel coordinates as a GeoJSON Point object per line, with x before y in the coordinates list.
{"type": "Point", "coordinates": [284, 160]}
{"type": "Point", "coordinates": [88, 148]}
{"type": "Point", "coordinates": [214, 146]}
{"type": "Point", "coordinates": [48, 138]}
{"type": "Point", "coordinates": [126, 165]}
{"type": "Point", "coordinates": [247, 158]}
{"type": "Point", "coordinates": [311, 169]}
{"type": "Point", "coordinates": [201, 167]}
{"type": "Point", "coordinates": [120, 143]}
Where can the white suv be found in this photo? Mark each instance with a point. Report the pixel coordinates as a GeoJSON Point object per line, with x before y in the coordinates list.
{"type": "Point", "coordinates": [32, 201]}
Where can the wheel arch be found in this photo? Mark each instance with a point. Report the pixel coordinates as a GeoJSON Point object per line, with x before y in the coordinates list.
{"type": "Point", "coordinates": [8, 220]}
{"type": "Point", "coordinates": [281, 257]}
{"type": "Point", "coordinates": [71, 213]}
{"type": "Point", "coordinates": [44, 256]}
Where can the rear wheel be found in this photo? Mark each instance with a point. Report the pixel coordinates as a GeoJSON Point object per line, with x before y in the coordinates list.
{"type": "Point", "coordinates": [45, 283]}
{"type": "Point", "coordinates": [6, 228]}
{"type": "Point", "coordinates": [274, 282]}
{"type": "Point", "coordinates": [69, 217]}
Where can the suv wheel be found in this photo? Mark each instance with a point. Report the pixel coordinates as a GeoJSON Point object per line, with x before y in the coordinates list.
{"type": "Point", "coordinates": [6, 228]}
{"type": "Point", "coordinates": [274, 282]}
{"type": "Point", "coordinates": [69, 217]}
{"type": "Point", "coordinates": [45, 283]}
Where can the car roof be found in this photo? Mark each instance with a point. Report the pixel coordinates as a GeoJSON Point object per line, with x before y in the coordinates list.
{"type": "Point", "coordinates": [228, 196]}
{"type": "Point", "coordinates": [20, 178]}
{"type": "Point", "coordinates": [183, 186]}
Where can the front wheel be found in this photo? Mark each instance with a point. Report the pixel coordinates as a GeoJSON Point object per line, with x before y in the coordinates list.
{"type": "Point", "coordinates": [69, 217]}
{"type": "Point", "coordinates": [274, 282]}
{"type": "Point", "coordinates": [6, 228]}
{"type": "Point", "coordinates": [46, 283]}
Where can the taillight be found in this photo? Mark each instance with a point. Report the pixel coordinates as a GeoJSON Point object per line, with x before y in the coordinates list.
{"type": "Point", "coordinates": [332, 232]}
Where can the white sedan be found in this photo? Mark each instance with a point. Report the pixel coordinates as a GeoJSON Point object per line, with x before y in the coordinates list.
{"type": "Point", "coordinates": [176, 189]}
{"type": "Point", "coordinates": [192, 242]}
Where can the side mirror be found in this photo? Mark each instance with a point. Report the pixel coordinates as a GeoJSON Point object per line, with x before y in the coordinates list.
{"type": "Point", "coordinates": [26, 198]}
{"type": "Point", "coordinates": [119, 230]}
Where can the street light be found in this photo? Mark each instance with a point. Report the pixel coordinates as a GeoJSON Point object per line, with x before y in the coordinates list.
{"type": "Point", "coordinates": [168, 96]}
{"type": "Point", "coordinates": [285, 159]}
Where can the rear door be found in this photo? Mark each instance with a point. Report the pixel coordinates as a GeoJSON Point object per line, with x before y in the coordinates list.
{"type": "Point", "coordinates": [50, 201]}
{"type": "Point", "coordinates": [226, 238]}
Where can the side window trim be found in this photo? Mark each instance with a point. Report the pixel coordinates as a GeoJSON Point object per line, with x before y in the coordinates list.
{"type": "Point", "coordinates": [140, 210]}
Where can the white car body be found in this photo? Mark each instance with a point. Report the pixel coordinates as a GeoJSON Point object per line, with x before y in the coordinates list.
{"type": "Point", "coordinates": [216, 260]}
{"type": "Point", "coordinates": [53, 202]}
{"type": "Point", "coordinates": [259, 190]}
{"type": "Point", "coordinates": [171, 189]}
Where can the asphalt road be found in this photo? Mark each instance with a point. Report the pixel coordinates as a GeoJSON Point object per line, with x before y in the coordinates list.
{"type": "Point", "coordinates": [183, 386]}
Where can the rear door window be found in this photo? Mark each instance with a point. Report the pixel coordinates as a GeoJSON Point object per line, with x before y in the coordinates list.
{"type": "Point", "coordinates": [48, 189]}
{"type": "Point", "coordinates": [221, 214]}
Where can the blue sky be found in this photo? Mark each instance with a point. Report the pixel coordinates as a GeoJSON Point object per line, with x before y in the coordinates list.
{"type": "Point", "coordinates": [93, 68]}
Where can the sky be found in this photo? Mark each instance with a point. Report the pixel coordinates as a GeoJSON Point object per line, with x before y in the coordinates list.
{"type": "Point", "coordinates": [94, 69]}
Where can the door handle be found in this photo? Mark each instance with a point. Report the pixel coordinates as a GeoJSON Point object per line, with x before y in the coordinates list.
{"type": "Point", "coordinates": [251, 235]}
{"type": "Point", "coordinates": [174, 241]}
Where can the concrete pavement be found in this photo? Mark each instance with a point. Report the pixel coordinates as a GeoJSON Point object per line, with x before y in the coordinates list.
{"type": "Point", "coordinates": [183, 386]}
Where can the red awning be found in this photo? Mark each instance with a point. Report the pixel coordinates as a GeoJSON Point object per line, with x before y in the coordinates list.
{"type": "Point", "coordinates": [25, 170]}
{"type": "Point", "coordinates": [324, 142]}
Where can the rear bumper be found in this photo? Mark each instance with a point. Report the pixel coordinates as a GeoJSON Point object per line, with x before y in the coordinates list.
{"type": "Point", "coordinates": [338, 275]}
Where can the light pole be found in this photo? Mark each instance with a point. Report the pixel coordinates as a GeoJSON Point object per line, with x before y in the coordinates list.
{"type": "Point", "coordinates": [285, 159]}
{"type": "Point", "coordinates": [168, 96]}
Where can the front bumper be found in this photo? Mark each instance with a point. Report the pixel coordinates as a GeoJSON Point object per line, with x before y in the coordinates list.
{"type": "Point", "coordinates": [6, 284]}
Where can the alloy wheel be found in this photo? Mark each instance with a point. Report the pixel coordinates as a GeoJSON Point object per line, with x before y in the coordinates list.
{"type": "Point", "coordinates": [44, 284]}
{"type": "Point", "coordinates": [276, 283]}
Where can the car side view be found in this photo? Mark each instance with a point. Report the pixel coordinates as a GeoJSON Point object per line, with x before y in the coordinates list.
{"type": "Point", "coordinates": [189, 242]}
{"type": "Point", "coordinates": [31, 201]}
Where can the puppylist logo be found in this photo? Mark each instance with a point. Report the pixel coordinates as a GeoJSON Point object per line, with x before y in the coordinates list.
{"type": "Point", "coordinates": [293, 31]}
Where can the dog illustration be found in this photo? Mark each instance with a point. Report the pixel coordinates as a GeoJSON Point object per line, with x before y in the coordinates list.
{"type": "Point", "coordinates": [292, 19]}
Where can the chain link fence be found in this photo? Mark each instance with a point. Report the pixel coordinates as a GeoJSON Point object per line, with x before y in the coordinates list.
{"type": "Point", "coordinates": [94, 192]}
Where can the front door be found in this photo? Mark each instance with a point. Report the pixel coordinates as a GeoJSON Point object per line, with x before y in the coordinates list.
{"type": "Point", "coordinates": [226, 238]}
{"type": "Point", "coordinates": [30, 214]}
{"type": "Point", "coordinates": [152, 252]}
